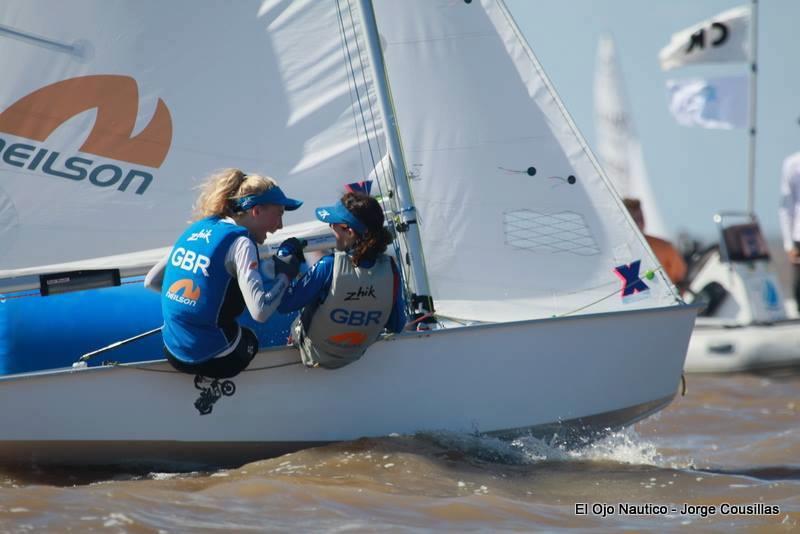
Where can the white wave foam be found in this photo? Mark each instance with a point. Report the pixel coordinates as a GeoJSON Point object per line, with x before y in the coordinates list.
{"type": "Point", "coordinates": [625, 446]}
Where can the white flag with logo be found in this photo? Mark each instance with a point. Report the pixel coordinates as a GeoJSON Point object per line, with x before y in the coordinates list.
{"type": "Point", "coordinates": [723, 38]}
{"type": "Point", "coordinates": [713, 103]}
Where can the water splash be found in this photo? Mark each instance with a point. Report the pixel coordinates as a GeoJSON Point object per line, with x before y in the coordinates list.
{"type": "Point", "coordinates": [625, 446]}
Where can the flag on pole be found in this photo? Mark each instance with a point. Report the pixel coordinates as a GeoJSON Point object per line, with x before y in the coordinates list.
{"type": "Point", "coordinates": [723, 38]}
{"type": "Point", "coordinates": [364, 186]}
{"type": "Point", "coordinates": [713, 103]}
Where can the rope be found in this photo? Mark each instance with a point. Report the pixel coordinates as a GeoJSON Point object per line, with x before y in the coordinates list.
{"type": "Point", "coordinates": [651, 274]}
{"type": "Point", "coordinates": [419, 319]}
{"type": "Point", "coordinates": [390, 175]}
{"type": "Point", "coordinates": [349, 60]}
{"type": "Point", "coordinates": [246, 370]}
{"type": "Point", "coordinates": [379, 165]}
{"type": "Point", "coordinates": [648, 275]}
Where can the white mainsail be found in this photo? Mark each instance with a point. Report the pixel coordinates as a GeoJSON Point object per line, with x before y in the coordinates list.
{"type": "Point", "coordinates": [502, 244]}
{"type": "Point", "coordinates": [618, 146]}
{"type": "Point", "coordinates": [265, 86]}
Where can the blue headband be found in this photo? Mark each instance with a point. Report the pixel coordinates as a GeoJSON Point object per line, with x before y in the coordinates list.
{"type": "Point", "coordinates": [273, 195]}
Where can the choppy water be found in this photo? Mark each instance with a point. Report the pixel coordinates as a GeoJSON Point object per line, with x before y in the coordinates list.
{"type": "Point", "coordinates": [733, 439]}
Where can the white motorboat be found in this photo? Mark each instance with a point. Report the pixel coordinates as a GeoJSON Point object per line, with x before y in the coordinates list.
{"type": "Point", "coordinates": [744, 325]}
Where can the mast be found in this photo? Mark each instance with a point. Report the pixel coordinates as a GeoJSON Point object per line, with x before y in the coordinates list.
{"type": "Point", "coordinates": [408, 213]}
{"type": "Point", "coordinates": [751, 152]}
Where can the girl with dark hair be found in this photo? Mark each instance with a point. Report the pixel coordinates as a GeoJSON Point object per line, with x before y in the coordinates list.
{"type": "Point", "coordinates": [347, 298]}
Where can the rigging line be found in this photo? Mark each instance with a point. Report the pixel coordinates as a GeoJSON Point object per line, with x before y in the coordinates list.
{"type": "Point", "coordinates": [381, 165]}
{"type": "Point", "coordinates": [393, 108]}
{"type": "Point", "coordinates": [466, 322]}
{"type": "Point", "coordinates": [351, 89]}
{"type": "Point", "coordinates": [355, 83]}
{"type": "Point", "coordinates": [601, 299]}
{"type": "Point", "coordinates": [288, 364]}
{"type": "Point", "coordinates": [246, 370]}
{"type": "Point", "coordinates": [371, 108]}
{"type": "Point", "coordinates": [349, 60]}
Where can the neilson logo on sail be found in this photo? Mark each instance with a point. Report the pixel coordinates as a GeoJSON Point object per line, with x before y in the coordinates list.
{"type": "Point", "coordinates": [116, 98]}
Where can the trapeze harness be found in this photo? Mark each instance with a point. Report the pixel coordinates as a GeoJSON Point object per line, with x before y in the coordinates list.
{"type": "Point", "coordinates": [340, 329]}
{"type": "Point", "coordinates": [200, 300]}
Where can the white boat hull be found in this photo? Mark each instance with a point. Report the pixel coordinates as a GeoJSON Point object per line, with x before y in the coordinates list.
{"type": "Point", "coordinates": [715, 348]}
{"type": "Point", "coordinates": [749, 327]}
{"type": "Point", "coordinates": [572, 376]}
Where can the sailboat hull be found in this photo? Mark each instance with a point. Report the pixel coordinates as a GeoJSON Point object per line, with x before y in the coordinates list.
{"type": "Point", "coordinates": [570, 376]}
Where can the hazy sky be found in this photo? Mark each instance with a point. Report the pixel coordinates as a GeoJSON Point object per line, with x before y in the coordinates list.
{"type": "Point", "coordinates": [694, 171]}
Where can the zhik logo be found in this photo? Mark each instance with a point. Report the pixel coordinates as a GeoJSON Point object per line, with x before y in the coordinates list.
{"type": "Point", "coordinates": [116, 98]}
{"type": "Point", "coordinates": [184, 291]}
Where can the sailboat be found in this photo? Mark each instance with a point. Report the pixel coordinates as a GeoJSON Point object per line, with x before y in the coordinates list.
{"type": "Point", "coordinates": [554, 318]}
{"type": "Point", "coordinates": [618, 145]}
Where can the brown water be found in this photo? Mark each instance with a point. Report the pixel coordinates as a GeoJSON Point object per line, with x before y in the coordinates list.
{"type": "Point", "coordinates": [731, 439]}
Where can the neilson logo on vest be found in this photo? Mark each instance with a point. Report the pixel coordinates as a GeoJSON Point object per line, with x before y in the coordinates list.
{"type": "Point", "coordinates": [184, 291]}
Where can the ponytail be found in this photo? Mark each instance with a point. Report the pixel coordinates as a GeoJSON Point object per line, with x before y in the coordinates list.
{"type": "Point", "coordinates": [374, 241]}
{"type": "Point", "coordinates": [222, 188]}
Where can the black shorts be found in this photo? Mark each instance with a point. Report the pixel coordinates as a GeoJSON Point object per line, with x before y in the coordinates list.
{"type": "Point", "coordinates": [227, 366]}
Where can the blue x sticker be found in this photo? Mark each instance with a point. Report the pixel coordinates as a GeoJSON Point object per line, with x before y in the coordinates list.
{"type": "Point", "coordinates": [631, 283]}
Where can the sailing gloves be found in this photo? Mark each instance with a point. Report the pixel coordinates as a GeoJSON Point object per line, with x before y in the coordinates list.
{"type": "Point", "coordinates": [289, 257]}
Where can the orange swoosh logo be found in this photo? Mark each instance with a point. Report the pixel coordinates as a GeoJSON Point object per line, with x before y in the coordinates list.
{"type": "Point", "coordinates": [186, 288]}
{"type": "Point", "coordinates": [116, 98]}
{"type": "Point", "coordinates": [348, 338]}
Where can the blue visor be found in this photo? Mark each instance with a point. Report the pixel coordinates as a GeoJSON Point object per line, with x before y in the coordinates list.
{"type": "Point", "coordinates": [273, 195]}
{"type": "Point", "coordinates": [341, 215]}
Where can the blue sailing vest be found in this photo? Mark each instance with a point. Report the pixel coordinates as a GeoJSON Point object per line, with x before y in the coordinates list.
{"type": "Point", "coordinates": [195, 287]}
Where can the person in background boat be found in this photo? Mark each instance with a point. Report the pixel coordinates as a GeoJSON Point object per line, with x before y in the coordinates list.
{"type": "Point", "coordinates": [668, 256]}
{"type": "Point", "coordinates": [349, 297]}
{"type": "Point", "coordinates": [789, 215]}
{"type": "Point", "coordinates": [213, 273]}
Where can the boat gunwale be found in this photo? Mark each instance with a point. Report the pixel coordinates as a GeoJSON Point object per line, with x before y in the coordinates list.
{"type": "Point", "coordinates": [675, 308]}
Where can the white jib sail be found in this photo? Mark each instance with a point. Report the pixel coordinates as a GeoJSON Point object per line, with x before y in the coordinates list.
{"type": "Point", "coordinates": [618, 147]}
{"type": "Point", "coordinates": [517, 221]}
{"type": "Point", "coordinates": [111, 113]}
